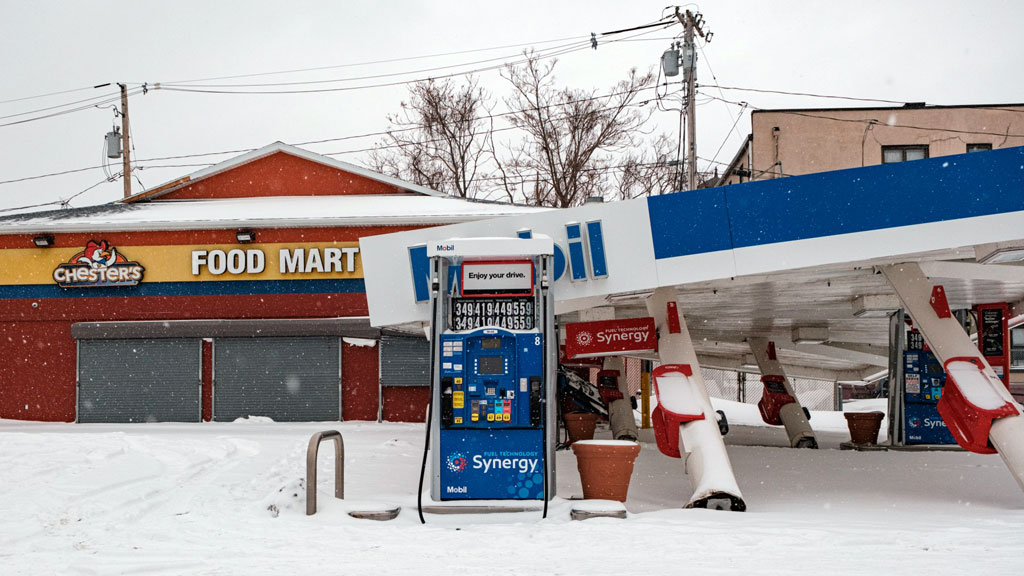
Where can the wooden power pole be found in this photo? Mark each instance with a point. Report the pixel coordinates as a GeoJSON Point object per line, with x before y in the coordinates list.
{"type": "Point", "coordinates": [126, 161]}
{"type": "Point", "coordinates": [691, 24]}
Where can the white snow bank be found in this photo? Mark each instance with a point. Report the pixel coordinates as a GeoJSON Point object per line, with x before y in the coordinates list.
{"type": "Point", "coordinates": [193, 499]}
{"type": "Point", "coordinates": [362, 342]}
{"type": "Point", "coordinates": [975, 385]}
{"type": "Point", "coordinates": [254, 420]}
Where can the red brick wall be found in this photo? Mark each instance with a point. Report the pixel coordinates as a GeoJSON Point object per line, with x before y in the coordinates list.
{"type": "Point", "coordinates": [207, 395]}
{"type": "Point", "coordinates": [359, 382]}
{"type": "Point", "coordinates": [37, 371]}
{"type": "Point", "coordinates": [281, 174]}
{"type": "Point", "coordinates": [406, 403]}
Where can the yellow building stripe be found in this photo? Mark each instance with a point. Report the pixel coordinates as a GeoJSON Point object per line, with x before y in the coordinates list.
{"type": "Point", "coordinates": [284, 261]}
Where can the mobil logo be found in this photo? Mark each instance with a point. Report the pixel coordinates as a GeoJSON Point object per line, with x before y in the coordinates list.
{"type": "Point", "coordinates": [582, 259]}
{"type": "Point", "coordinates": [586, 258]}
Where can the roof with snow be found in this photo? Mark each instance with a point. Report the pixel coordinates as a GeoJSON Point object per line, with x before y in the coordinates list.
{"type": "Point", "coordinates": [273, 187]}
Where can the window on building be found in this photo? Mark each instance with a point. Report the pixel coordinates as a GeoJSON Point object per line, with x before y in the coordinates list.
{"type": "Point", "coordinates": [978, 147]}
{"type": "Point", "coordinates": [892, 154]}
{"type": "Point", "coordinates": [1017, 349]}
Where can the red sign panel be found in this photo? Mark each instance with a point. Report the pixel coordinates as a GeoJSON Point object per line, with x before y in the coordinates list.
{"type": "Point", "coordinates": [610, 337]}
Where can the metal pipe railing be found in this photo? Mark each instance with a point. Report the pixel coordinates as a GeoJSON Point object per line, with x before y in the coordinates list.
{"type": "Point", "coordinates": [339, 467]}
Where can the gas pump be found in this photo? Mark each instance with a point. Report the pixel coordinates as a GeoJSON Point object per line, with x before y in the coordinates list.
{"type": "Point", "coordinates": [924, 380]}
{"type": "Point", "coordinates": [994, 337]}
{"type": "Point", "coordinates": [493, 364]}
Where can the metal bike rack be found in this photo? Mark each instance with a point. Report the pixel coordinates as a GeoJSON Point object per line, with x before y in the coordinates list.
{"type": "Point", "coordinates": [339, 467]}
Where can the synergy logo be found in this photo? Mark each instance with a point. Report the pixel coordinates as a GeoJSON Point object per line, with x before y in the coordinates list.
{"type": "Point", "coordinates": [98, 265]}
{"type": "Point", "coordinates": [457, 462]}
{"type": "Point", "coordinates": [584, 338]}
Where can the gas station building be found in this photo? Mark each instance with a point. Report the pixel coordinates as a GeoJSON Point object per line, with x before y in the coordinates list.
{"type": "Point", "coordinates": [234, 291]}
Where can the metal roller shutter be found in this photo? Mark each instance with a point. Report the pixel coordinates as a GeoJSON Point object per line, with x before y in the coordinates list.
{"type": "Point", "coordinates": [286, 379]}
{"type": "Point", "coordinates": [139, 380]}
{"type": "Point", "coordinates": [404, 361]}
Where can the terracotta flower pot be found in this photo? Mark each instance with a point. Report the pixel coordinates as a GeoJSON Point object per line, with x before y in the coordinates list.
{"type": "Point", "coordinates": [864, 426]}
{"type": "Point", "coordinates": [580, 425]}
{"type": "Point", "coordinates": [605, 467]}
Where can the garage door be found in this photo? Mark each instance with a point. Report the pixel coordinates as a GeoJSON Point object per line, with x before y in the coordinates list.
{"type": "Point", "coordinates": [286, 379]}
{"type": "Point", "coordinates": [404, 361]}
{"type": "Point", "coordinates": [139, 380]}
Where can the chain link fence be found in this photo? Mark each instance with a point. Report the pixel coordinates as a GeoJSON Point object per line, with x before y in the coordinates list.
{"type": "Point", "coordinates": [746, 387]}
{"type": "Point", "coordinates": [741, 386]}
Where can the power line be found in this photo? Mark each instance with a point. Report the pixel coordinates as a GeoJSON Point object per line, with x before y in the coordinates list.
{"type": "Point", "coordinates": [71, 110]}
{"type": "Point", "coordinates": [26, 113]}
{"type": "Point", "coordinates": [315, 69]}
{"type": "Point", "coordinates": [172, 86]}
{"type": "Point", "coordinates": [556, 51]}
{"type": "Point", "coordinates": [61, 173]}
{"type": "Point", "coordinates": [320, 141]}
{"type": "Point", "coordinates": [62, 202]}
{"type": "Point", "coordinates": [402, 59]}
{"type": "Point", "coordinates": [168, 85]}
{"type": "Point", "coordinates": [48, 94]}
{"type": "Point", "coordinates": [739, 113]}
{"type": "Point", "coordinates": [387, 61]}
{"type": "Point", "coordinates": [30, 206]}
{"type": "Point", "coordinates": [809, 94]}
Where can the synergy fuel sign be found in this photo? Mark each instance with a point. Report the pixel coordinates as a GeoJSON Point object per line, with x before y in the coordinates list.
{"type": "Point", "coordinates": [511, 466]}
{"type": "Point", "coordinates": [610, 337]}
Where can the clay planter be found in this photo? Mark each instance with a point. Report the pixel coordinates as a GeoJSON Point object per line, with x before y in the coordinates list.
{"type": "Point", "coordinates": [864, 426]}
{"type": "Point", "coordinates": [605, 467]}
{"type": "Point", "coordinates": [580, 425]}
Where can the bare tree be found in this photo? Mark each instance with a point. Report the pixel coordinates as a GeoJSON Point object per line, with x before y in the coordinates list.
{"type": "Point", "coordinates": [649, 172]}
{"type": "Point", "coordinates": [440, 139]}
{"type": "Point", "coordinates": [571, 136]}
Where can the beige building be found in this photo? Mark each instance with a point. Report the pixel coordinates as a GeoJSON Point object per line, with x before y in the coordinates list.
{"type": "Point", "coordinates": [803, 141]}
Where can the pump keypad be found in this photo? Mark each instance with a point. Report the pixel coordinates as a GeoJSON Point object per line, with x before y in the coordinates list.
{"type": "Point", "coordinates": [487, 367]}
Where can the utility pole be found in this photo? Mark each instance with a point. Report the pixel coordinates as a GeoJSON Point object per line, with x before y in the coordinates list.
{"type": "Point", "coordinates": [126, 157]}
{"type": "Point", "coordinates": [691, 23]}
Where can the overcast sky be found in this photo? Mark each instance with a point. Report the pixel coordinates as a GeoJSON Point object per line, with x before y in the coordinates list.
{"type": "Point", "coordinates": [941, 52]}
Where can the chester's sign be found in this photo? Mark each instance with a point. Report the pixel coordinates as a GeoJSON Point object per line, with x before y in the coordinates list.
{"type": "Point", "coordinates": [99, 264]}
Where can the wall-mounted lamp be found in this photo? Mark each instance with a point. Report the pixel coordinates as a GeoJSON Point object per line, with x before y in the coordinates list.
{"type": "Point", "coordinates": [245, 236]}
{"type": "Point", "coordinates": [43, 240]}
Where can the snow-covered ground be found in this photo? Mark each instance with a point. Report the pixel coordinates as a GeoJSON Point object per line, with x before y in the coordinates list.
{"type": "Point", "coordinates": [194, 499]}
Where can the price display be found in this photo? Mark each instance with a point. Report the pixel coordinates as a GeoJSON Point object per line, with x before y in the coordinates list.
{"type": "Point", "coordinates": [507, 313]}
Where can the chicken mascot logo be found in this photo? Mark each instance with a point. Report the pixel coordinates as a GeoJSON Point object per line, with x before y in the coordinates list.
{"type": "Point", "coordinates": [98, 265]}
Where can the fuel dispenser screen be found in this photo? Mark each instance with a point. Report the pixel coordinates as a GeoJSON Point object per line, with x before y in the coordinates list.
{"type": "Point", "coordinates": [491, 365]}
